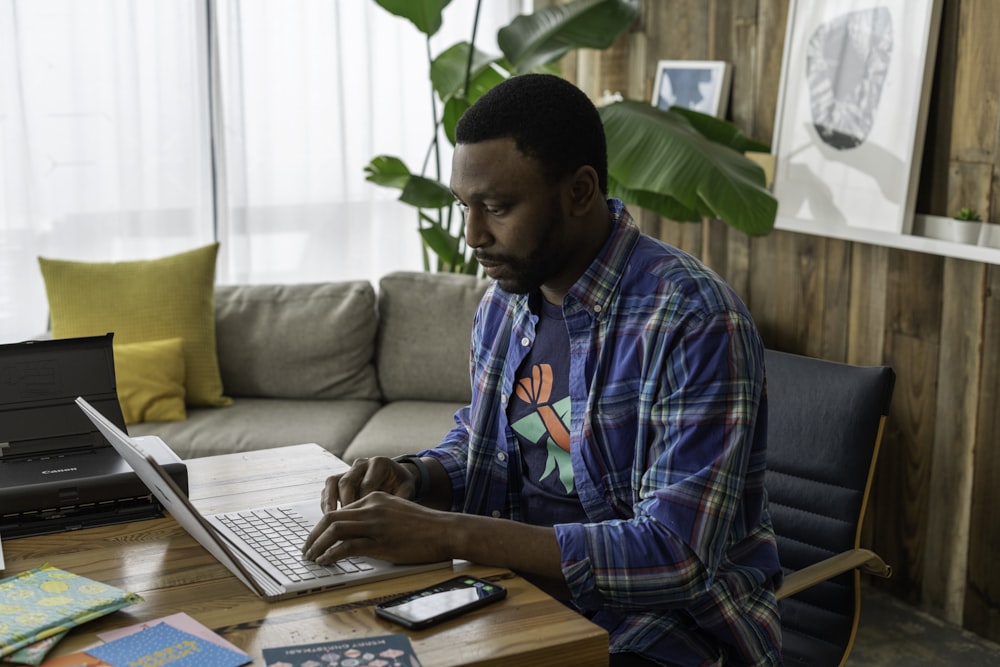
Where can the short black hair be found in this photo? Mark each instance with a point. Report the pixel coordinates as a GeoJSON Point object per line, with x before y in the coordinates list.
{"type": "Point", "coordinates": [549, 119]}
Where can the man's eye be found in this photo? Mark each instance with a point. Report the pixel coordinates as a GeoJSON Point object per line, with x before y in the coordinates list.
{"type": "Point", "coordinates": [494, 210]}
{"type": "Point", "coordinates": [463, 207]}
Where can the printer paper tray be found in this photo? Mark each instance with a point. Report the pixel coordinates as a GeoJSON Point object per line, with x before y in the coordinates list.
{"type": "Point", "coordinates": [62, 519]}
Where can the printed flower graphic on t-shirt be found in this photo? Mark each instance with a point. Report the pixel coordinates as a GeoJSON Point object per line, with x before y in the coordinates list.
{"type": "Point", "coordinates": [547, 424]}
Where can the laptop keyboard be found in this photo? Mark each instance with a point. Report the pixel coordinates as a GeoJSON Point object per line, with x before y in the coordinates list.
{"type": "Point", "coordinates": [278, 534]}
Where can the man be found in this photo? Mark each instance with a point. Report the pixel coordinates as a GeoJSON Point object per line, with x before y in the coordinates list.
{"type": "Point", "coordinates": [614, 447]}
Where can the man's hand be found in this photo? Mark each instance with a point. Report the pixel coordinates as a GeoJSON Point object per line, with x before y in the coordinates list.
{"type": "Point", "coordinates": [367, 476]}
{"type": "Point", "coordinates": [392, 528]}
{"type": "Point", "coordinates": [383, 526]}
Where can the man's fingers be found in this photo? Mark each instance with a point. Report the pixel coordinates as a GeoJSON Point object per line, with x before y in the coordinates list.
{"type": "Point", "coordinates": [331, 532]}
{"type": "Point", "coordinates": [331, 494]}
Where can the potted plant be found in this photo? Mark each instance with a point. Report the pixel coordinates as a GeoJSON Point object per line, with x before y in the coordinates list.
{"type": "Point", "coordinates": [963, 227]}
{"type": "Point", "coordinates": [681, 164]}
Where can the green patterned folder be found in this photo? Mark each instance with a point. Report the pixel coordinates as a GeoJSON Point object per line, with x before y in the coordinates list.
{"type": "Point", "coordinates": [45, 601]}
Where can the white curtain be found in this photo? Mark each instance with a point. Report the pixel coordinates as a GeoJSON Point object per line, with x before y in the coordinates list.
{"type": "Point", "coordinates": [103, 140]}
{"type": "Point", "coordinates": [106, 135]}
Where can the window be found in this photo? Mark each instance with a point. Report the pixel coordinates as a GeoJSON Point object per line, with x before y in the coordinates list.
{"type": "Point", "coordinates": [136, 129]}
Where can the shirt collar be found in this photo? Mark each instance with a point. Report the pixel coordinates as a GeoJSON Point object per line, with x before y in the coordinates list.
{"type": "Point", "coordinates": [593, 290]}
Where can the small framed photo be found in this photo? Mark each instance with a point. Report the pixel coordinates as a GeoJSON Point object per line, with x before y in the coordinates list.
{"type": "Point", "coordinates": [699, 85]}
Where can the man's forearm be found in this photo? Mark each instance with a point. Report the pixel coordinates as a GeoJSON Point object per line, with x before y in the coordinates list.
{"type": "Point", "coordinates": [530, 550]}
{"type": "Point", "coordinates": [526, 549]}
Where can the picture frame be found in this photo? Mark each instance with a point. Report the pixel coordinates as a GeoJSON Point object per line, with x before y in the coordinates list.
{"type": "Point", "coordinates": [699, 85]}
{"type": "Point", "coordinates": [851, 115]}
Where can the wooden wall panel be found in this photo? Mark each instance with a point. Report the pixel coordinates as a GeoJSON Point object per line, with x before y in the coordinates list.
{"type": "Point", "coordinates": [982, 593]}
{"type": "Point", "coordinates": [866, 319]}
{"type": "Point", "coordinates": [913, 315]}
{"type": "Point", "coordinates": [947, 539]}
{"type": "Point", "coordinates": [977, 94]}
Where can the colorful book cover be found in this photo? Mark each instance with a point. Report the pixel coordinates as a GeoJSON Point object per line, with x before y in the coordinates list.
{"type": "Point", "coordinates": [44, 602]}
{"type": "Point", "coordinates": [181, 621]}
{"type": "Point", "coordinates": [163, 645]}
{"type": "Point", "coordinates": [392, 650]}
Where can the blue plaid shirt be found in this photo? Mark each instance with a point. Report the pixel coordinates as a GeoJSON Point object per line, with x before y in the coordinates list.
{"type": "Point", "coordinates": [668, 428]}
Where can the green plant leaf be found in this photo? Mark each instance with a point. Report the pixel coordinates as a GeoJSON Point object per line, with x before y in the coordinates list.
{"type": "Point", "coordinates": [425, 14]}
{"type": "Point", "coordinates": [658, 160]}
{"type": "Point", "coordinates": [388, 171]}
{"type": "Point", "coordinates": [456, 106]}
{"type": "Point", "coordinates": [441, 243]}
{"type": "Point", "coordinates": [721, 131]}
{"type": "Point", "coordinates": [550, 33]}
{"type": "Point", "coordinates": [453, 110]}
{"type": "Point", "coordinates": [424, 192]}
{"type": "Point", "coordinates": [448, 69]}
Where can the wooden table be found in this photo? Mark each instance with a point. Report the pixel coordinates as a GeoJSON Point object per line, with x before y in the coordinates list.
{"type": "Point", "coordinates": [173, 573]}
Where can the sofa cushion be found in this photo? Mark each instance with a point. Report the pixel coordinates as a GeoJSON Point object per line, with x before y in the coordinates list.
{"type": "Point", "coordinates": [424, 331]}
{"type": "Point", "coordinates": [297, 341]}
{"type": "Point", "coordinates": [403, 427]}
{"type": "Point", "coordinates": [259, 423]}
{"type": "Point", "coordinates": [142, 300]}
{"type": "Point", "coordinates": [149, 377]}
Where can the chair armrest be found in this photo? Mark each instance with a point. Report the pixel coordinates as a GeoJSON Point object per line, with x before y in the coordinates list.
{"type": "Point", "coordinates": [828, 568]}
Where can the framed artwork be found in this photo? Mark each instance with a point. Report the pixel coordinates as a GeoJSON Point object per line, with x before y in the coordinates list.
{"type": "Point", "coordinates": [699, 85]}
{"type": "Point", "coordinates": [852, 110]}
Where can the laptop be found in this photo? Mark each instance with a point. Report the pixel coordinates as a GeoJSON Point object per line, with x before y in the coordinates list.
{"type": "Point", "coordinates": [272, 567]}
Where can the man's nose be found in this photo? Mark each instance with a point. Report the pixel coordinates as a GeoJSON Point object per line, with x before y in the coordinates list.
{"type": "Point", "coordinates": [476, 235]}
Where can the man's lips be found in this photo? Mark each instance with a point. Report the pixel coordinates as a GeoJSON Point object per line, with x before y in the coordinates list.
{"type": "Point", "coordinates": [492, 270]}
{"type": "Point", "coordinates": [489, 264]}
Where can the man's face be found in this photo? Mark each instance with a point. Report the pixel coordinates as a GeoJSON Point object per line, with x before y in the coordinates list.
{"type": "Point", "coordinates": [514, 218]}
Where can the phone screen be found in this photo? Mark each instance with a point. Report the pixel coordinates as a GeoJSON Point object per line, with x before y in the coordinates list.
{"type": "Point", "coordinates": [437, 603]}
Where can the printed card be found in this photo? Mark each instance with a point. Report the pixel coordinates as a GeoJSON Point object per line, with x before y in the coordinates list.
{"type": "Point", "coordinates": [392, 650]}
{"type": "Point", "coordinates": [165, 646]}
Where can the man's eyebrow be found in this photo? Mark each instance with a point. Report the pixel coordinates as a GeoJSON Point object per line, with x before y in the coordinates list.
{"type": "Point", "coordinates": [475, 196]}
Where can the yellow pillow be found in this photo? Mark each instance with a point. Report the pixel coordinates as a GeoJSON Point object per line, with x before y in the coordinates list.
{"type": "Point", "coordinates": [170, 297]}
{"type": "Point", "coordinates": [150, 379]}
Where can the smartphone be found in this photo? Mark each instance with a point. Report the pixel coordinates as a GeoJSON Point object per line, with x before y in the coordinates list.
{"type": "Point", "coordinates": [437, 603]}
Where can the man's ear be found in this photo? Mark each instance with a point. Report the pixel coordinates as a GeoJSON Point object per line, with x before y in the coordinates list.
{"type": "Point", "coordinates": [584, 189]}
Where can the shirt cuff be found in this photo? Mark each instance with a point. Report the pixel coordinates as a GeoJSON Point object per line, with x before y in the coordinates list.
{"type": "Point", "coordinates": [577, 567]}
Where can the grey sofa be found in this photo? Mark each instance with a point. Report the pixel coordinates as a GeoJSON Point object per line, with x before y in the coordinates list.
{"type": "Point", "coordinates": [356, 371]}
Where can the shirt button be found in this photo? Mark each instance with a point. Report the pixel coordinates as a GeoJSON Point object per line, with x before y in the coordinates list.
{"type": "Point", "coordinates": [496, 514]}
{"type": "Point", "coordinates": [525, 342]}
{"type": "Point", "coordinates": [501, 457]}
{"type": "Point", "coordinates": [503, 399]}
{"type": "Point", "coordinates": [598, 308]}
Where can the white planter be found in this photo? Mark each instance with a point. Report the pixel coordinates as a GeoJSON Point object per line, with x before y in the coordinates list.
{"type": "Point", "coordinates": [948, 229]}
{"type": "Point", "coordinates": [989, 235]}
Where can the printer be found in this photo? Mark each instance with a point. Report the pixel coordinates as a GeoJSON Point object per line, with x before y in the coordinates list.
{"type": "Point", "coordinates": [57, 472]}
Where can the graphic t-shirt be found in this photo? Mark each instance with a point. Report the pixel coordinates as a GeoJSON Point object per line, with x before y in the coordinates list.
{"type": "Point", "coordinates": [539, 415]}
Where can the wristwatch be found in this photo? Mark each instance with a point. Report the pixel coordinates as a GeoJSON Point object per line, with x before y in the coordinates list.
{"type": "Point", "coordinates": [424, 483]}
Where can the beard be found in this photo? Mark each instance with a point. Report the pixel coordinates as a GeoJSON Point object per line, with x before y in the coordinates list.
{"type": "Point", "coordinates": [526, 274]}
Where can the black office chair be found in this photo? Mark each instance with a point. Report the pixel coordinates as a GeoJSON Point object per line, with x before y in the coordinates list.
{"type": "Point", "coordinates": [825, 424]}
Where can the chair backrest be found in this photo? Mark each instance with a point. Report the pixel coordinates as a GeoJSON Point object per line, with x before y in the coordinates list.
{"type": "Point", "coordinates": [825, 422]}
